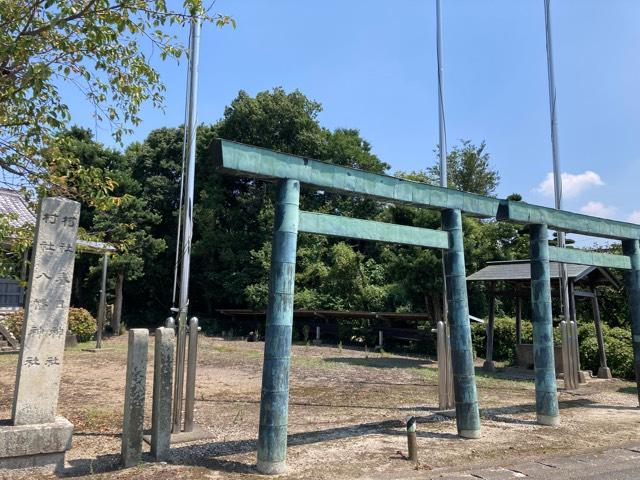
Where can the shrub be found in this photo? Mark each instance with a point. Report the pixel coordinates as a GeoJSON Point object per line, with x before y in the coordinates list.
{"type": "Point", "coordinates": [81, 323]}
{"type": "Point", "coordinates": [617, 343]}
{"type": "Point", "coordinates": [504, 338]}
{"type": "Point", "coordinates": [617, 346]}
{"type": "Point", "coordinates": [13, 322]}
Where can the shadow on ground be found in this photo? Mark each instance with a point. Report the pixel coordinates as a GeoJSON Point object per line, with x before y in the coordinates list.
{"type": "Point", "coordinates": [207, 454]}
{"type": "Point", "coordinates": [380, 362]}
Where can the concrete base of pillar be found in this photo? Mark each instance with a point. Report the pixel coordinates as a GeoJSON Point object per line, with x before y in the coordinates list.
{"type": "Point", "coordinates": [40, 445]}
{"type": "Point", "coordinates": [549, 421]}
{"type": "Point", "coordinates": [469, 434]}
{"type": "Point", "coordinates": [271, 468]}
{"type": "Point", "coordinates": [605, 372]}
{"type": "Point", "coordinates": [582, 376]}
{"type": "Point", "coordinates": [489, 366]}
{"type": "Point", "coordinates": [198, 433]}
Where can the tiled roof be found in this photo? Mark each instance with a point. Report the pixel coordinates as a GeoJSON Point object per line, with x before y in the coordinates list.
{"type": "Point", "coordinates": [520, 271]}
{"type": "Point", "coordinates": [14, 206]}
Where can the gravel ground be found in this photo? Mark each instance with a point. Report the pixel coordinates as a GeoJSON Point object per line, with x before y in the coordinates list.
{"type": "Point", "coordinates": [347, 413]}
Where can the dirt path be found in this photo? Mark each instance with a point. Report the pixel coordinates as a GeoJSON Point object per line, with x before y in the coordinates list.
{"type": "Point", "coordinates": [347, 413]}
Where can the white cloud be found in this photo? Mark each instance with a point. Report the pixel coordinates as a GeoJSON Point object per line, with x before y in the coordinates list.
{"type": "Point", "coordinates": [572, 184]}
{"type": "Point", "coordinates": [599, 209]}
{"type": "Point", "coordinates": [634, 217]}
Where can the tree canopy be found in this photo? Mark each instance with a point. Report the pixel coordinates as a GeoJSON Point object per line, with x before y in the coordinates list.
{"type": "Point", "coordinates": [104, 50]}
{"type": "Point", "coordinates": [234, 215]}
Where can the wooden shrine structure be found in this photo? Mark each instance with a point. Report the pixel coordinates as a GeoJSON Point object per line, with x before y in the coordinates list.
{"type": "Point", "coordinates": [514, 276]}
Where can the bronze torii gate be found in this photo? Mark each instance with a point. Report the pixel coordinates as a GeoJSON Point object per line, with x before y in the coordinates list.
{"type": "Point", "coordinates": [290, 170]}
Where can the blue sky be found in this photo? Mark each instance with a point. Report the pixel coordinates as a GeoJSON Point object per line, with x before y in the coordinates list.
{"type": "Point", "coordinates": [372, 65]}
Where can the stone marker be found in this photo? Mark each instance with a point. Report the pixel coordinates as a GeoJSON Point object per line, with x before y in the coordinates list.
{"type": "Point", "coordinates": [45, 323]}
{"type": "Point", "coordinates": [162, 388]}
{"type": "Point", "coordinates": [36, 437]}
{"type": "Point", "coordinates": [133, 419]}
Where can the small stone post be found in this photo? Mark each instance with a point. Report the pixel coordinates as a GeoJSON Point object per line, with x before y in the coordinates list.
{"type": "Point", "coordinates": [575, 349]}
{"type": "Point", "coordinates": [464, 381]}
{"type": "Point", "coordinates": [162, 383]}
{"type": "Point", "coordinates": [192, 365]}
{"type": "Point", "coordinates": [445, 394]}
{"type": "Point", "coordinates": [102, 303]}
{"type": "Point", "coordinates": [133, 418]}
{"type": "Point", "coordinates": [318, 335]}
{"type": "Point", "coordinates": [412, 441]}
{"type": "Point", "coordinates": [274, 402]}
{"type": "Point", "coordinates": [380, 339]}
{"type": "Point", "coordinates": [545, 383]}
{"type": "Point", "coordinates": [632, 280]}
{"type": "Point", "coordinates": [567, 360]}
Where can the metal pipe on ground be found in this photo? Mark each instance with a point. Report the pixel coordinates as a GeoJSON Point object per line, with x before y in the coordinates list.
{"type": "Point", "coordinates": [412, 441]}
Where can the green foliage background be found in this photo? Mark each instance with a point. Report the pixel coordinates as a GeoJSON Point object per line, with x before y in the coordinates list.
{"type": "Point", "coordinates": [234, 216]}
{"type": "Point", "coordinates": [80, 322]}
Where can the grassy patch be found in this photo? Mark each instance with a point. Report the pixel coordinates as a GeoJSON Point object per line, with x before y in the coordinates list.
{"type": "Point", "coordinates": [313, 362]}
{"type": "Point", "coordinates": [629, 390]}
{"type": "Point", "coordinates": [115, 346]}
{"type": "Point", "coordinates": [429, 374]}
{"type": "Point", "coordinates": [493, 380]}
{"type": "Point", "coordinates": [8, 358]}
{"type": "Point", "coordinates": [483, 379]}
{"type": "Point", "coordinates": [98, 418]}
{"type": "Point", "coordinates": [224, 349]}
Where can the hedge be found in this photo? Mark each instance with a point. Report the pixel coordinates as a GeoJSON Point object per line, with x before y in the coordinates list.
{"type": "Point", "coordinates": [617, 342]}
{"type": "Point", "coordinates": [81, 323]}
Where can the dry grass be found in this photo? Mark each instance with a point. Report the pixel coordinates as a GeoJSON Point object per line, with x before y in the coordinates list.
{"type": "Point", "coordinates": [347, 413]}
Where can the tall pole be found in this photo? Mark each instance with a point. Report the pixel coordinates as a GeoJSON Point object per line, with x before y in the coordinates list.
{"type": "Point", "coordinates": [187, 222]}
{"type": "Point", "coordinates": [442, 149]}
{"type": "Point", "coordinates": [557, 176]}
{"type": "Point", "coordinates": [442, 145]}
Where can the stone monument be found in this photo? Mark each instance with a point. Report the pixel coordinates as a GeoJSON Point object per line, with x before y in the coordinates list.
{"type": "Point", "coordinates": [36, 436]}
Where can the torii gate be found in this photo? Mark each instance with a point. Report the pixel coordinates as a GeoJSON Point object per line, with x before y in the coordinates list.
{"type": "Point", "coordinates": [290, 171]}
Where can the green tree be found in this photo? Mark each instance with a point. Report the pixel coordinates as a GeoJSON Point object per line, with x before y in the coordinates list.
{"type": "Point", "coordinates": [468, 169]}
{"type": "Point", "coordinates": [96, 47]}
{"type": "Point", "coordinates": [127, 223]}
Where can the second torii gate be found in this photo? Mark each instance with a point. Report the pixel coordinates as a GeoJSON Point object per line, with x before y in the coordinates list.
{"type": "Point", "coordinates": [289, 171]}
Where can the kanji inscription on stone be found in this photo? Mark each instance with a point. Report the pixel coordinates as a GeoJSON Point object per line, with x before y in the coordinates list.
{"type": "Point", "coordinates": [45, 325]}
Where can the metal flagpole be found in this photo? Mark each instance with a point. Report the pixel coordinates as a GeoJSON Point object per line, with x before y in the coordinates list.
{"type": "Point", "coordinates": [185, 139]}
{"type": "Point", "coordinates": [557, 176]}
{"type": "Point", "coordinates": [446, 389]}
{"type": "Point", "coordinates": [441, 123]}
{"type": "Point", "coordinates": [187, 225]}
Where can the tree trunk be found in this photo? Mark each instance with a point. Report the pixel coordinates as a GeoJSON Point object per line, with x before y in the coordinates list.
{"type": "Point", "coordinates": [117, 309]}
